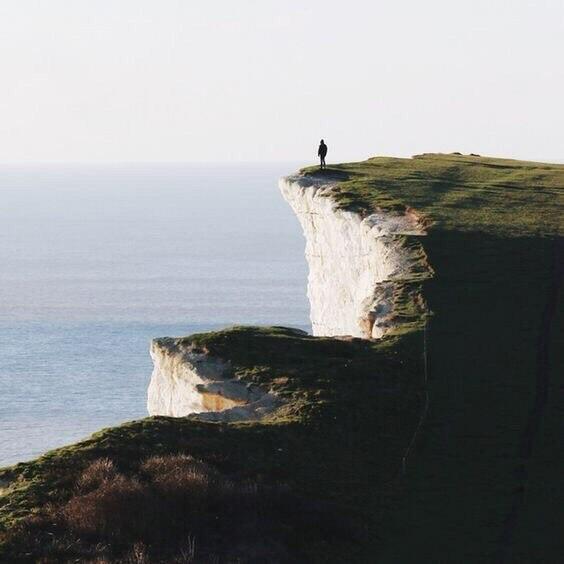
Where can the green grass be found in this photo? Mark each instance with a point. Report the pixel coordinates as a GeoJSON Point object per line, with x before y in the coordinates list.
{"type": "Point", "coordinates": [455, 192]}
{"type": "Point", "coordinates": [351, 406]}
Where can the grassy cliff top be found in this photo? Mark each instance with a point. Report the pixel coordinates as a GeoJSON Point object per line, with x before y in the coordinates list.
{"type": "Point", "coordinates": [457, 192]}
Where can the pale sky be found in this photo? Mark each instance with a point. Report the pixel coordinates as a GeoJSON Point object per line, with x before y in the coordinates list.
{"type": "Point", "coordinates": [264, 80]}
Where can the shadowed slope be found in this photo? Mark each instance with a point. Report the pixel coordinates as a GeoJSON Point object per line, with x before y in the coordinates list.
{"type": "Point", "coordinates": [483, 483]}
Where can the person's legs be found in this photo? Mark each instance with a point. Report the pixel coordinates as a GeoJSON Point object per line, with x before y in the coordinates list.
{"type": "Point", "coordinates": [323, 162]}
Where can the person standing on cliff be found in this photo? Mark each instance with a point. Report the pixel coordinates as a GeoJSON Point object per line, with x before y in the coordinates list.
{"type": "Point", "coordinates": [321, 152]}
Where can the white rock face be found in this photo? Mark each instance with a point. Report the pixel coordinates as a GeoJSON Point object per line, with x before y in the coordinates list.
{"type": "Point", "coordinates": [187, 381]}
{"type": "Point", "coordinates": [176, 375]}
{"type": "Point", "coordinates": [353, 262]}
{"type": "Point", "coordinates": [355, 265]}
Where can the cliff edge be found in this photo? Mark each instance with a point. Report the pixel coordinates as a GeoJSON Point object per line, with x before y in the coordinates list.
{"type": "Point", "coordinates": [360, 266]}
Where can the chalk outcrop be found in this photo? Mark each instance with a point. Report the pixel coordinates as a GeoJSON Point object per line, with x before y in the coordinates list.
{"type": "Point", "coordinates": [187, 380]}
{"type": "Point", "coordinates": [356, 263]}
{"type": "Point", "coordinates": [357, 268]}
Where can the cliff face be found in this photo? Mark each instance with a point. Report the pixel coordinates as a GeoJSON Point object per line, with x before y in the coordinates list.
{"type": "Point", "coordinates": [355, 263]}
{"type": "Point", "coordinates": [359, 268]}
{"type": "Point", "coordinates": [187, 380]}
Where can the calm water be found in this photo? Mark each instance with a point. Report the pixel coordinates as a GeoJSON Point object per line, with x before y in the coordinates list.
{"type": "Point", "coordinates": [97, 260]}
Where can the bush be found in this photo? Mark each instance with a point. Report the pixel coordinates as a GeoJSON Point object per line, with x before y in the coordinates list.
{"type": "Point", "coordinates": [99, 471]}
{"type": "Point", "coordinates": [170, 509]}
{"type": "Point", "coordinates": [168, 500]}
{"type": "Point", "coordinates": [116, 508]}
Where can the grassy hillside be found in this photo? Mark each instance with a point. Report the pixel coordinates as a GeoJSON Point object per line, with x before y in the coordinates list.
{"type": "Point", "coordinates": [483, 484]}
{"type": "Point", "coordinates": [303, 485]}
{"type": "Point", "coordinates": [321, 479]}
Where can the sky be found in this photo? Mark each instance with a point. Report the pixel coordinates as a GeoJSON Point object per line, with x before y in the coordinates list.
{"type": "Point", "coordinates": [264, 80]}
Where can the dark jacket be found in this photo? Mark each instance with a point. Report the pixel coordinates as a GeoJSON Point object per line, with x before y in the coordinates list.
{"type": "Point", "coordinates": [322, 151]}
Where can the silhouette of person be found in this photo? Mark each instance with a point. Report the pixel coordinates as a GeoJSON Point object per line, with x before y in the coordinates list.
{"type": "Point", "coordinates": [321, 152]}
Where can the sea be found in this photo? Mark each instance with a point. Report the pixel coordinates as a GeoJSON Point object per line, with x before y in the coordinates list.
{"type": "Point", "coordinates": [96, 260]}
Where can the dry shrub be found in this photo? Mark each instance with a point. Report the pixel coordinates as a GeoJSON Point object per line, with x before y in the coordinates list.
{"type": "Point", "coordinates": [116, 508]}
{"type": "Point", "coordinates": [169, 497]}
{"type": "Point", "coordinates": [180, 476]}
{"type": "Point", "coordinates": [175, 509]}
{"type": "Point", "coordinates": [155, 466]}
{"type": "Point", "coordinates": [137, 554]}
{"type": "Point", "coordinates": [99, 471]}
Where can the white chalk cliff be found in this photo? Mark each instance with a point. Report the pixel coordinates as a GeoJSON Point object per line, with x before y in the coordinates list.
{"type": "Point", "coordinates": [355, 263]}
{"type": "Point", "coordinates": [189, 381]}
{"type": "Point", "coordinates": [356, 266]}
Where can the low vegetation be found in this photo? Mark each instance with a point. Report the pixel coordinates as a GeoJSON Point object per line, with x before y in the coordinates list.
{"type": "Point", "coordinates": [506, 197]}
{"type": "Point", "coordinates": [173, 508]}
{"type": "Point", "coordinates": [305, 484]}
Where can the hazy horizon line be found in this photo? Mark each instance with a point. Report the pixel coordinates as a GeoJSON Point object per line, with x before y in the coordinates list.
{"type": "Point", "coordinates": [550, 160]}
